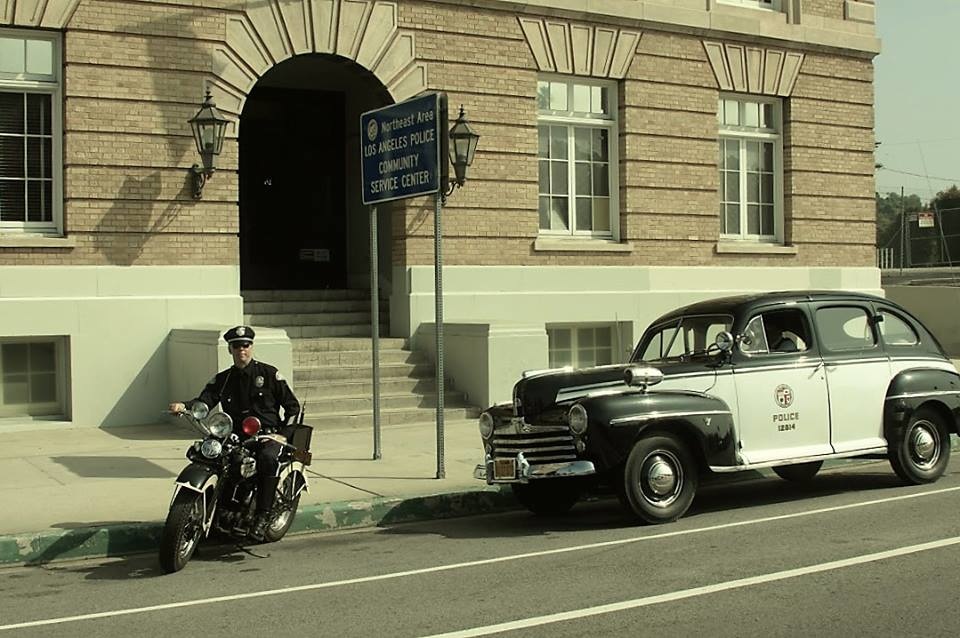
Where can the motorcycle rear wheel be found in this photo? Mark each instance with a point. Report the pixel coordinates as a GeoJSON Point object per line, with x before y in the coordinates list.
{"type": "Point", "coordinates": [181, 533]}
{"type": "Point", "coordinates": [283, 515]}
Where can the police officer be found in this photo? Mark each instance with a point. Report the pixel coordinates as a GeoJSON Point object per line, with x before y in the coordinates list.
{"type": "Point", "coordinates": [253, 388]}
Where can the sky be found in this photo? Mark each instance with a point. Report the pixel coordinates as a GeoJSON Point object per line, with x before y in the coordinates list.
{"type": "Point", "coordinates": [917, 96]}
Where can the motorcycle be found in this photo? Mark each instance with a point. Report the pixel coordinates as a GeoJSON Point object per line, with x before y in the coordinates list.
{"type": "Point", "coordinates": [218, 489]}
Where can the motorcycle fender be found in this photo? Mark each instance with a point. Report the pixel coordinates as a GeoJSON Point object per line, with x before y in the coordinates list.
{"type": "Point", "coordinates": [199, 479]}
{"type": "Point", "coordinates": [295, 468]}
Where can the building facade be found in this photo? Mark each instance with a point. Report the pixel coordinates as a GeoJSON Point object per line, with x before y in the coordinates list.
{"type": "Point", "coordinates": [634, 155]}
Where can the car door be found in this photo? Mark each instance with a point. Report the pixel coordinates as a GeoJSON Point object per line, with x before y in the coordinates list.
{"type": "Point", "coordinates": [781, 388]}
{"type": "Point", "coordinates": [857, 372]}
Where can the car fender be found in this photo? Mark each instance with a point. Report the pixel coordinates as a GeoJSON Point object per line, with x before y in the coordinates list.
{"type": "Point", "coordinates": [704, 421]}
{"type": "Point", "coordinates": [910, 389]}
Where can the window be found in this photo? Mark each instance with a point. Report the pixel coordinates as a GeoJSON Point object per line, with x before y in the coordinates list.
{"type": "Point", "coordinates": [845, 328]}
{"type": "Point", "coordinates": [581, 346]}
{"type": "Point", "coordinates": [577, 133]}
{"type": "Point", "coordinates": [775, 5]}
{"type": "Point", "coordinates": [751, 169]}
{"type": "Point", "coordinates": [896, 331]}
{"type": "Point", "coordinates": [689, 337]}
{"type": "Point", "coordinates": [776, 332]}
{"type": "Point", "coordinates": [31, 377]}
{"type": "Point", "coordinates": [30, 124]}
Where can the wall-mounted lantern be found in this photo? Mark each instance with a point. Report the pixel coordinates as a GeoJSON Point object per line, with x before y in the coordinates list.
{"type": "Point", "coordinates": [209, 128]}
{"type": "Point", "coordinates": [463, 146]}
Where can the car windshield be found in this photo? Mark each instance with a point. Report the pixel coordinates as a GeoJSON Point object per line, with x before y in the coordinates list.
{"type": "Point", "coordinates": [682, 338]}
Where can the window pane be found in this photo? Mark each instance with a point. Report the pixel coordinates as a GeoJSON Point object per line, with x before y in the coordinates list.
{"type": "Point", "coordinates": [558, 179]}
{"type": "Point", "coordinates": [559, 214]}
{"type": "Point", "coordinates": [584, 213]}
{"type": "Point", "coordinates": [38, 156]}
{"type": "Point", "coordinates": [11, 201]}
{"type": "Point", "coordinates": [12, 55]}
{"type": "Point", "coordinates": [558, 96]}
{"type": "Point", "coordinates": [11, 157]}
{"type": "Point", "coordinates": [731, 112]}
{"type": "Point", "coordinates": [601, 143]}
{"type": "Point", "coordinates": [43, 388]}
{"type": "Point", "coordinates": [733, 219]}
{"type": "Point", "coordinates": [896, 331]}
{"type": "Point", "coordinates": [543, 96]}
{"type": "Point", "coordinates": [733, 155]}
{"type": "Point", "coordinates": [753, 156]}
{"type": "Point", "coordinates": [601, 214]}
{"type": "Point", "coordinates": [544, 210]}
{"type": "Point", "coordinates": [544, 175]}
{"type": "Point", "coordinates": [732, 182]}
{"type": "Point", "coordinates": [558, 142]}
{"type": "Point", "coordinates": [582, 138]}
{"type": "Point", "coordinates": [543, 141]}
{"type": "Point", "coordinates": [767, 159]}
{"type": "Point", "coordinates": [767, 228]}
{"type": "Point", "coordinates": [844, 328]}
{"type": "Point", "coordinates": [14, 358]}
{"type": "Point", "coordinates": [43, 357]}
{"type": "Point", "coordinates": [601, 100]}
{"type": "Point", "coordinates": [40, 57]}
{"type": "Point", "coordinates": [753, 187]}
{"type": "Point", "coordinates": [585, 338]}
{"type": "Point", "coordinates": [766, 188]}
{"type": "Point", "coordinates": [767, 117]}
{"type": "Point", "coordinates": [581, 98]}
{"type": "Point", "coordinates": [39, 203]}
{"type": "Point", "coordinates": [11, 113]}
{"type": "Point", "coordinates": [753, 219]}
{"type": "Point", "coordinates": [583, 179]}
{"type": "Point", "coordinates": [601, 179]}
{"type": "Point", "coordinates": [751, 114]}
{"type": "Point", "coordinates": [560, 337]}
{"type": "Point", "coordinates": [16, 389]}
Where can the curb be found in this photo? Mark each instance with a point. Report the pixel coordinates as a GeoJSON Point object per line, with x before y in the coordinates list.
{"type": "Point", "coordinates": [121, 539]}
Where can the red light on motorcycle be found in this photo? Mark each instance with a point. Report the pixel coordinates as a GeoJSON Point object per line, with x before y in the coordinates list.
{"type": "Point", "coordinates": [250, 425]}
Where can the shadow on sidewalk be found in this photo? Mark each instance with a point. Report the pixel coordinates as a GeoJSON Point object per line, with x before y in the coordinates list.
{"type": "Point", "coordinates": [112, 467]}
{"type": "Point", "coordinates": [171, 430]}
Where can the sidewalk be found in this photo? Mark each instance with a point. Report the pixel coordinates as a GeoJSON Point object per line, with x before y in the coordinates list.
{"type": "Point", "coordinates": [80, 492]}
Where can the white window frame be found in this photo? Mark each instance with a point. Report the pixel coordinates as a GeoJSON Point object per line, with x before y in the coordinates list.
{"type": "Point", "coordinates": [574, 329]}
{"type": "Point", "coordinates": [767, 5]}
{"type": "Point", "coordinates": [50, 85]}
{"type": "Point", "coordinates": [572, 119]}
{"type": "Point", "coordinates": [744, 134]}
{"type": "Point", "coordinates": [57, 408]}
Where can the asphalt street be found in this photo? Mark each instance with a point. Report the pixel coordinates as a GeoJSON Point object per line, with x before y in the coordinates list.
{"type": "Point", "coordinates": [854, 552]}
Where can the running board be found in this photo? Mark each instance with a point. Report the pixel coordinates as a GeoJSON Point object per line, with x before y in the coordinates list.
{"type": "Point", "coordinates": [879, 452]}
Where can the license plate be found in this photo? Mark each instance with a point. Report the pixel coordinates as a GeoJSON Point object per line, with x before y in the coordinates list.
{"type": "Point", "coordinates": [504, 469]}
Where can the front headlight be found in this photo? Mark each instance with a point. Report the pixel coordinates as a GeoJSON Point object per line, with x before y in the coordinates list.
{"type": "Point", "coordinates": [486, 425]}
{"type": "Point", "coordinates": [219, 425]}
{"type": "Point", "coordinates": [211, 448]}
{"type": "Point", "coordinates": [577, 417]}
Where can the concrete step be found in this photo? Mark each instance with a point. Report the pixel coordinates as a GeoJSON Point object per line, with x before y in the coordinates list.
{"type": "Point", "coordinates": [355, 358]}
{"type": "Point", "coordinates": [309, 390]}
{"type": "Point", "coordinates": [361, 373]}
{"type": "Point", "coordinates": [326, 332]}
{"type": "Point", "coordinates": [403, 416]}
{"type": "Point", "coordinates": [303, 295]}
{"type": "Point", "coordinates": [346, 344]}
{"type": "Point", "coordinates": [303, 307]}
{"type": "Point", "coordinates": [313, 319]}
{"type": "Point", "coordinates": [358, 405]}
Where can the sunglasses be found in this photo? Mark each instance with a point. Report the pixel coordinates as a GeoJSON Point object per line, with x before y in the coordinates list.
{"type": "Point", "coordinates": [241, 344]}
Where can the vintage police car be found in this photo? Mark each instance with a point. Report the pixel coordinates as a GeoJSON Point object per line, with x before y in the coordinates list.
{"type": "Point", "coordinates": [784, 380]}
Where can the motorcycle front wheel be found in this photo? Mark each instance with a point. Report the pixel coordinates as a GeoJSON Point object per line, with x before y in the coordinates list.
{"type": "Point", "coordinates": [285, 508]}
{"type": "Point", "coordinates": [182, 532]}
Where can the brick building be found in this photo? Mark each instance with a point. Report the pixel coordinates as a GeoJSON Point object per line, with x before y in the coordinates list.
{"type": "Point", "coordinates": [635, 154]}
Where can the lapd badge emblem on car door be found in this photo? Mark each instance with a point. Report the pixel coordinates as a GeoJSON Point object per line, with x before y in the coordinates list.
{"type": "Point", "coordinates": [783, 396]}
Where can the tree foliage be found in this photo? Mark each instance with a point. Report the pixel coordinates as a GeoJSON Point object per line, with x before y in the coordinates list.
{"type": "Point", "coordinates": [939, 245]}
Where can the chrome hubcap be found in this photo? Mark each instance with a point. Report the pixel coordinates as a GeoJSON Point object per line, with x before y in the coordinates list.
{"type": "Point", "coordinates": [924, 444]}
{"type": "Point", "coordinates": [662, 478]}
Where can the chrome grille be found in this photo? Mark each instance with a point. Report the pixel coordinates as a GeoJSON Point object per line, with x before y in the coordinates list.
{"type": "Point", "coordinates": [541, 445]}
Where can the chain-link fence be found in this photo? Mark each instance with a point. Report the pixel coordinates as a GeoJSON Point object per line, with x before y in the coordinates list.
{"type": "Point", "coordinates": [928, 238]}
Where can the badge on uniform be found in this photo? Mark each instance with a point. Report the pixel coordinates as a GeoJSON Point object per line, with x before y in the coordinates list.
{"type": "Point", "coordinates": [258, 382]}
{"type": "Point", "coordinates": [278, 376]}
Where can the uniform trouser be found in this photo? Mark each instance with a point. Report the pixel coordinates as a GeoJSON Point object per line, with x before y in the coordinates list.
{"type": "Point", "coordinates": [268, 467]}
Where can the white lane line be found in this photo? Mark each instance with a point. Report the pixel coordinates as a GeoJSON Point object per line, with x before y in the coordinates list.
{"type": "Point", "coordinates": [475, 563]}
{"type": "Point", "coordinates": [537, 621]}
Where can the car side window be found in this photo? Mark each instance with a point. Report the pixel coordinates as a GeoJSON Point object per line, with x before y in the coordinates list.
{"type": "Point", "coordinates": [777, 331]}
{"type": "Point", "coordinates": [896, 331]}
{"type": "Point", "coordinates": [845, 328]}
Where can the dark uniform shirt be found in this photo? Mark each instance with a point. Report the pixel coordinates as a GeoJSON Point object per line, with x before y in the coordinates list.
{"type": "Point", "coordinates": [257, 390]}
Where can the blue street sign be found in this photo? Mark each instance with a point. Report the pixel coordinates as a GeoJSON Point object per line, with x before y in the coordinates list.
{"type": "Point", "coordinates": [400, 147]}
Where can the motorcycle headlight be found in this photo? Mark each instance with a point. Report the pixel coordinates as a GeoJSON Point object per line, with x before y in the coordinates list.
{"type": "Point", "coordinates": [486, 425]}
{"type": "Point", "coordinates": [211, 448]}
{"type": "Point", "coordinates": [577, 417]}
{"type": "Point", "coordinates": [220, 425]}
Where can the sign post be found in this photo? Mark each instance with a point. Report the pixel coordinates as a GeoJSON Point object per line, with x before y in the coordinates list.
{"type": "Point", "coordinates": [402, 156]}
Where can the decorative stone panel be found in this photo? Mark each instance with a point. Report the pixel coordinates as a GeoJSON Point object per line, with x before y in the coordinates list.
{"type": "Point", "coordinates": [53, 14]}
{"type": "Point", "coordinates": [563, 47]}
{"type": "Point", "coordinates": [750, 69]}
{"type": "Point", "coordinates": [269, 32]}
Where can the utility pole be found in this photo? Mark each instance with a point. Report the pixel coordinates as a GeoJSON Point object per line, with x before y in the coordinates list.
{"type": "Point", "coordinates": [903, 223]}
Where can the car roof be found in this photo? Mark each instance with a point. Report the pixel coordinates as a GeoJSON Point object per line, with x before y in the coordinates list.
{"type": "Point", "coordinates": [738, 304]}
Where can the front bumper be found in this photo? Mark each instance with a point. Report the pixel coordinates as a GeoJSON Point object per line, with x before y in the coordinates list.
{"type": "Point", "coordinates": [523, 472]}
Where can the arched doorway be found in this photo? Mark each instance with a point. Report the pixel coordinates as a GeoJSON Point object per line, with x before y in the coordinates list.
{"type": "Point", "coordinates": [302, 223]}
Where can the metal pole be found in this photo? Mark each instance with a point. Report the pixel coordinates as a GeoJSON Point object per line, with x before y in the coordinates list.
{"type": "Point", "coordinates": [375, 331]}
{"type": "Point", "coordinates": [438, 298]}
{"type": "Point", "coordinates": [903, 224]}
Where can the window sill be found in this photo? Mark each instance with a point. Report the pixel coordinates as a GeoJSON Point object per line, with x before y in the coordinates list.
{"type": "Point", "coordinates": [16, 240]}
{"type": "Point", "coordinates": [556, 244]}
{"type": "Point", "coordinates": [750, 248]}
